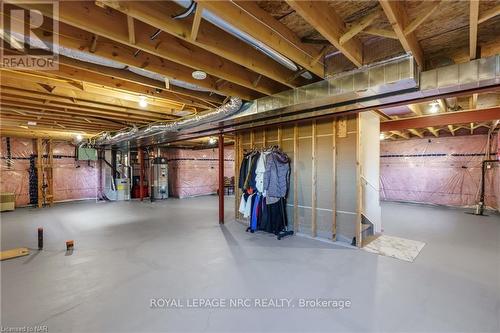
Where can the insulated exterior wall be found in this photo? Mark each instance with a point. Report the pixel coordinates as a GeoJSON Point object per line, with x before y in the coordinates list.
{"type": "Point", "coordinates": [73, 180]}
{"type": "Point", "coordinates": [441, 171]}
{"type": "Point", "coordinates": [196, 172]}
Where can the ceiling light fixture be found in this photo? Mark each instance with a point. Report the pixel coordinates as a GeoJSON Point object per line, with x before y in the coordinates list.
{"type": "Point", "coordinates": [79, 137]}
{"type": "Point", "coordinates": [434, 107]}
{"type": "Point", "coordinates": [199, 75]}
{"type": "Point", "coordinates": [143, 102]}
{"type": "Point", "coordinates": [31, 123]}
{"type": "Point", "coordinates": [382, 136]}
{"type": "Point", "coordinates": [212, 141]}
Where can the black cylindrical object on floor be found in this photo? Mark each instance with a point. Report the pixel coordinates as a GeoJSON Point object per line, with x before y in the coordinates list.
{"type": "Point", "coordinates": [40, 238]}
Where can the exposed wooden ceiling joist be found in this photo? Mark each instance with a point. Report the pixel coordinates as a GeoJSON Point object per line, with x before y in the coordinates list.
{"type": "Point", "coordinates": [250, 18]}
{"type": "Point", "coordinates": [208, 37]}
{"type": "Point", "coordinates": [119, 78]}
{"type": "Point", "coordinates": [330, 25]}
{"type": "Point", "coordinates": [487, 14]}
{"type": "Point", "coordinates": [78, 39]}
{"type": "Point", "coordinates": [358, 26]}
{"type": "Point", "coordinates": [96, 95]}
{"type": "Point", "coordinates": [473, 22]}
{"type": "Point", "coordinates": [113, 25]}
{"type": "Point", "coordinates": [398, 18]}
{"type": "Point", "coordinates": [425, 12]}
{"type": "Point", "coordinates": [380, 33]}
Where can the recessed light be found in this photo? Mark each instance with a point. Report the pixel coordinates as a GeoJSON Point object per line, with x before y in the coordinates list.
{"type": "Point", "coordinates": [382, 136]}
{"type": "Point", "coordinates": [31, 123]}
{"type": "Point", "coordinates": [143, 102]}
{"type": "Point", "coordinates": [199, 75]}
{"type": "Point", "coordinates": [79, 137]}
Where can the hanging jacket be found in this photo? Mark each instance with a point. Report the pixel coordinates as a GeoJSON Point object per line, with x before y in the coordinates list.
{"type": "Point", "coordinates": [252, 165]}
{"type": "Point", "coordinates": [243, 172]}
{"type": "Point", "coordinates": [260, 170]}
{"type": "Point", "coordinates": [277, 175]}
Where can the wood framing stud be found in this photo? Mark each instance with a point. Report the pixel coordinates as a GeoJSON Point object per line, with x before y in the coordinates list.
{"type": "Point", "coordinates": [330, 25]}
{"type": "Point", "coordinates": [415, 108]}
{"type": "Point", "coordinates": [358, 26]}
{"type": "Point", "coordinates": [295, 178]}
{"type": "Point", "coordinates": [93, 44]}
{"type": "Point", "coordinates": [401, 134]}
{"type": "Point", "coordinates": [196, 21]}
{"type": "Point", "coordinates": [487, 14]}
{"type": "Point", "coordinates": [443, 105]}
{"type": "Point", "coordinates": [473, 102]}
{"type": "Point", "coordinates": [473, 22]}
{"type": "Point", "coordinates": [434, 131]}
{"type": "Point", "coordinates": [396, 14]}
{"type": "Point", "coordinates": [380, 33]}
{"type": "Point", "coordinates": [131, 29]}
{"type": "Point", "coordinates": [416, 132]}
{"type": "Point", "coordinates": [451, 129]}
{"type": "Point", "coordinates": [425, 12]}
{"type": "Point", "coordinates": [314, 178]}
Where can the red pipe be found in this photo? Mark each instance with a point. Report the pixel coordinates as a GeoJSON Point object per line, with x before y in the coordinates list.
{"type": "Point", "coordinates": [221, 178]}
{"type": "Point", "coordinates": [141, 174]}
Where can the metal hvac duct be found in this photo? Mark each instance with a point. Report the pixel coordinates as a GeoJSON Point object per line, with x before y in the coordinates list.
{"type": "Point", "coordinates": [392, 81]}
{"type": "Point", "coordinates": [233, 106]}
{"type": "Point", "coordinates": [220, 23]}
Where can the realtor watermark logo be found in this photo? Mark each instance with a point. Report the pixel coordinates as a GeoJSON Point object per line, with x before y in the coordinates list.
{"type": "Point", "coordinates": [29, 37]}
{"type": "Point", "coordinates": [246, 303]}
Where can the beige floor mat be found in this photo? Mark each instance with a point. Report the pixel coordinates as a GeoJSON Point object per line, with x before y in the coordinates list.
{"type": "Point", "coordinates": [395, 247]}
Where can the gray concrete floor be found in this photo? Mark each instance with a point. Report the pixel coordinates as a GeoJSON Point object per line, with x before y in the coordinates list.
{"type": "Point", "coordinates": [129, 252]}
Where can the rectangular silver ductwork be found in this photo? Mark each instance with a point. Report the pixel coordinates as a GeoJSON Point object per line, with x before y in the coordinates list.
{"type": "Point", "coordinates": [384, 84]}
{"type": "Point", "coordinates": [393, 76]}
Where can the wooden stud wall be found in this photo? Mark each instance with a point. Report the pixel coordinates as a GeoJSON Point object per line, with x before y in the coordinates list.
{"type": "Point", "coordinates": [315, 212]}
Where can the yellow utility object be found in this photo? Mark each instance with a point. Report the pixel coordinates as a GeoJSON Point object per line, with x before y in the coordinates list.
{"type": "Point", "coordinates": [14, 253]}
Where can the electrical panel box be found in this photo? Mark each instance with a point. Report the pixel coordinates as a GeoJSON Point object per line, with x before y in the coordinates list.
{"type": "Point", "coordinates": [86, 154]}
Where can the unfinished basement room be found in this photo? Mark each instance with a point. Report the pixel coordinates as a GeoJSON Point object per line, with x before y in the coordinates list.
{"type": "Point", "coordinates": [250, 166]}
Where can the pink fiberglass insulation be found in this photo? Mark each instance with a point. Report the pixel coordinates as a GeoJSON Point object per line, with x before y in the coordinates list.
{"type": "Point", "coordinates": [73, 180]}
{"type": "Point", "coordinates": [196, 172]}
{"type": "Point", "coordinates": [442, 171]}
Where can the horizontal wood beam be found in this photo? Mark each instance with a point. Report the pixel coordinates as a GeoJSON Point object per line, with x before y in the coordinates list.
{"type": "Point", "coordinates": [445, 119]}
{"type": "Point", "coordinates": [487, 14]}
{"type": "Point", "coordinates": [473, 23]}
{"type": "Point", "coordinates": [33, 109]}
{"type": "Point", "coordinates": [425, 13]}
{"type": "Point", "coordinates": [97, 95]}
{"type": "Point", "coordinates": [206, 36]}
{"type": "Point", "coordinates": [126, 80]}
{"type": "Point", "coordinates": [380, 33]}
{"type": "Point", "coordinates": [356, 27]}
{"type": "Point", "coordinates": [247, 16]}
{"type": "Point", "coordinates": [22, 101]}
{"type": "Point", "coordinates": [396, 14]}
{"type": "Point", "coordinates": [330, 25]}
{"type": "Point", "coordinates": [61, 94]}
{"type": "Point", "coordinates": [167, 55]}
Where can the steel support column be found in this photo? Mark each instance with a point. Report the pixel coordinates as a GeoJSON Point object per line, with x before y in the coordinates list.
{"type": "Point", "coordinates": [221, 178]}
{"type": "Point", "coordinates": [141, 173]}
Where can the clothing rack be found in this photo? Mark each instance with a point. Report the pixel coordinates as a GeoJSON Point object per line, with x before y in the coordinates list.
{"type": "Point", "coordinates": [264, 180]}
